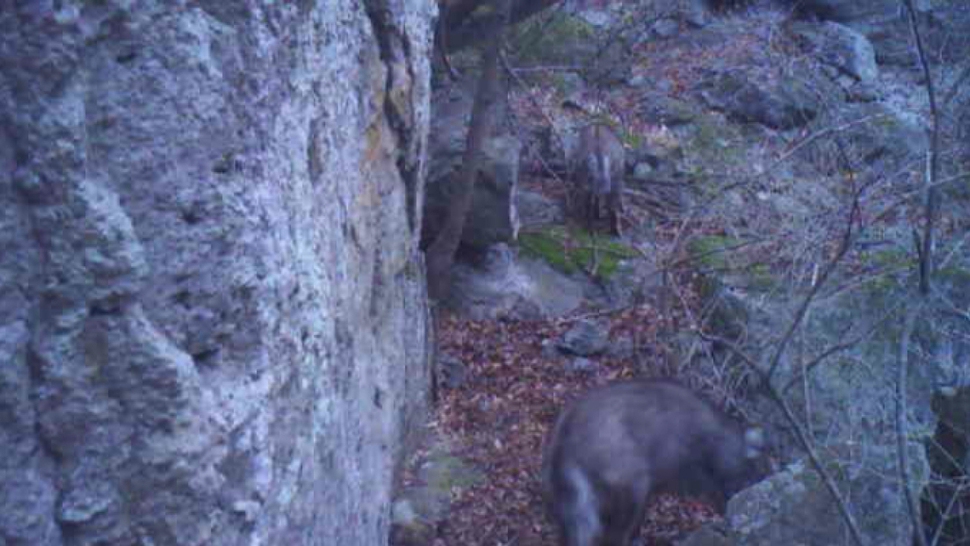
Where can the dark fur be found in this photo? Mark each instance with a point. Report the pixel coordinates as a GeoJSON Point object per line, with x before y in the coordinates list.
{"type": "Point", "coordinates": [600, 164]}
{"type": "Point", "coordinates": [621, 443]}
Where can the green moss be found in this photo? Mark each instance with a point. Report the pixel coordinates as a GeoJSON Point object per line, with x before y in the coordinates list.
{"type": "Point", "coordinates": [633, 141]}
{"type": "Point", "coordinates": [550, 245]}
{"type": "Point", "coordinates": [712, 251]}
{"type": "Point", "coordinates": [761, 278]}
{"type": "Point", "coordinates": [954, 274]}
{"type": "Point", "coordinates": [552, 39]}
{"type": "Point", "coordinates": [893, 258]}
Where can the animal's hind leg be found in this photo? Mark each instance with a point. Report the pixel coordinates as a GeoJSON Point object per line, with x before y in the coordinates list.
{"type": "Point", "coordinates": [579, 517]}
{"type": "Point", "coordinates": [626, 513]}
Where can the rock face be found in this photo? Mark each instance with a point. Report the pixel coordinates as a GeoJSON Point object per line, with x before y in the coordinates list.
{"type": "Point", "coordinates": [212, 316]}
{"type": "Point", "coordinates": [493, 218]}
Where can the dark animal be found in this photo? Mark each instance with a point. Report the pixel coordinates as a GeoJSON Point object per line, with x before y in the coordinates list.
{"type": "Point", "coordinates": [599, 167]}
{"type": "Point", "coordinates": [621, 443]}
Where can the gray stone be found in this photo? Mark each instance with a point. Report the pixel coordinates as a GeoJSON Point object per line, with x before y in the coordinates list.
{"type": "Point", "coordinates": [209, 231]}
{"type": "Point", "coordinates": [451, 371]}
{"type": "Point", "coordinates": [666, 27]}
{"type": "Point", "coordinates": [886, 24]}
{"type": "Point", "coordinates": [886, 139]}
{"type": "Point", "coordinates": [795, 507]}
{"type": "Point", "coordinates": [785, 104]}
{"type": "Point", "coordinates": [504, 285]}
{"type": "Point", "coordinates": [841, 47]}
{"type": "Point", "coordinates": [581, 365]}
{"type": "Point", "coordinates": [643, 171]}
{"type": "Point", "coordinates": [536, 210]}
{"type": "Point", "coordinates": [550, 350]}
{"type": "Point", "coordinates": [421, 507]}
{"type": "Point", "coordinates": [586, 338]}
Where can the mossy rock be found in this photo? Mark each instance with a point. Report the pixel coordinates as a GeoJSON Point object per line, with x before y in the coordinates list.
{"type": "Point", "coordinates": [572, 250]}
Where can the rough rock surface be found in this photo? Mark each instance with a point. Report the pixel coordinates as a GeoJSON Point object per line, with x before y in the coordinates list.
{"type": "Point", "coordinates": [841, 47]}
{"type": "Point", "coordinates": [784, 105]}
{"type": "Point", "coordinates": [212, 318]}
{"type": "Point", "coordinates": [505, 285]}
{"type": "Point", "coordinates": [493, 218]}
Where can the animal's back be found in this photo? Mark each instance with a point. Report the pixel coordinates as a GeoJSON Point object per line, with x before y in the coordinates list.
{"type": "Point", "coordinates": [636, 426]}
{"type": "Point", "coordinates": [617, 445]}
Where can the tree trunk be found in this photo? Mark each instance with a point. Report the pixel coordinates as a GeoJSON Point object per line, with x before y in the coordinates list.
{"type": "Point", "coordinates": [441, 253]}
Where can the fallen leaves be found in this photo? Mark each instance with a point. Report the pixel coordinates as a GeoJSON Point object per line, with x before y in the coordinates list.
{"type": "Point", "coordinates": [501, 416]}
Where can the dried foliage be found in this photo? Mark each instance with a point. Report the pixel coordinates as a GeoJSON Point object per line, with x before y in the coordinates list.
{"type": "Point", "coordinates": [501, 416]}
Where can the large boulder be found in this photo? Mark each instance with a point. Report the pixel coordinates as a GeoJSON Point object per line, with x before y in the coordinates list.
{"type": "Point", "coordinates": [880, 137]}
{"type": "Point", "coordinates": [795, 507]}
{"type": "Point", "coordinates": [944, 24]}
{"type": "Point", "coordinates": [213, 326]}
{"type": "Point", "coordinates": [841, 47]}
{"type": "Point", "coordinates": [784, 104]}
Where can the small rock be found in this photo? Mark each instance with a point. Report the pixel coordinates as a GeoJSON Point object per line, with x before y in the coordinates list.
{"type": "Point", "coordinates": [638, 80]}
{"type": "Point", "coordinates": [550, 350]}
{"type": "Point", "coordinates": [524, 309]}
{"type": "Point", "coordinates": [666, 28]}
{"type": "Point", "coordinates": [402, 512]}
{"type": "Point", "coordinates": [248, 509]}
{"type": "Point", "coordinates": [586, 338]}
{"type": "Point", "coordinates": [862, 92]}
{"type": "Point", "coordinates": [451, 372]}
{"type": "Point", "coordinates": [582, 365]}
{"type": "Point", "coordinates": [642, 171]}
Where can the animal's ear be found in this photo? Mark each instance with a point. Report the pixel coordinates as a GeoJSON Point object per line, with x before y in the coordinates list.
{"type": "Point", "coordinates": [754, 442]}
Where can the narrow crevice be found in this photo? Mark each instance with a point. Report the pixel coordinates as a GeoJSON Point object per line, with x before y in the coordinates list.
{"type": "Point", "coordinates": [395, 50]}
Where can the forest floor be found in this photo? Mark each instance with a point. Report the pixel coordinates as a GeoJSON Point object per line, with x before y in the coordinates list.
{"type": "Point", "coordinates": [498, 421]}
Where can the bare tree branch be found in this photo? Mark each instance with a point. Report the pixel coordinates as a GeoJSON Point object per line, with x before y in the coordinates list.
{"type": "Point", "coordinates": [822, 356]}
{"type": "Point", "coordinates": [552, 126]}
{"type": "Point", "coordinates": [932, 163]}
{"type": "Point", "coordinates": [829, 268]}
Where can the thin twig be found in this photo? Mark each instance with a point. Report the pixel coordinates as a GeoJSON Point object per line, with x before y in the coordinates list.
{"type": "Point", "coordinates": [821, 357]}
{"type": "Point", "coordinates": [829, 268]}
{"type": "Point", "coordinates": [901, 430]}
{"type": "Point", "coordinates": [518, 80]}
{"type": "Point", "coordinates": [818, 134]}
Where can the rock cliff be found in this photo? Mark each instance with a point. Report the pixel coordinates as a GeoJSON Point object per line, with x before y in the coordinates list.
{"type": "Point", "coordinates": [213, 326]}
